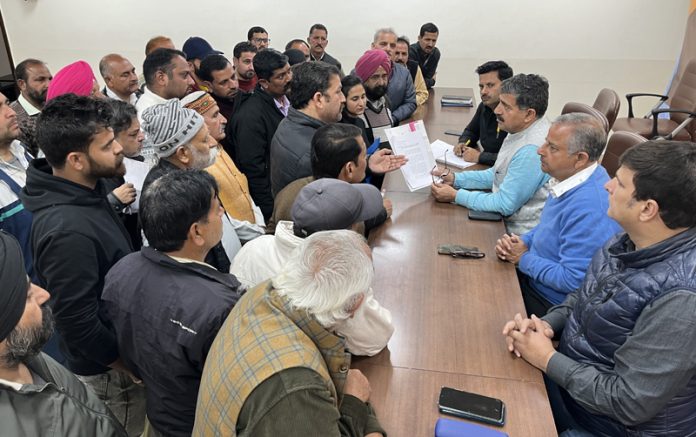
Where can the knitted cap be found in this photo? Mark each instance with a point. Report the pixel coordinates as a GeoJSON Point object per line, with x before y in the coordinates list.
{"type": "Point", "coordinates": [370, 61]}
{"type": "Point", "coordinates": [168, 126]}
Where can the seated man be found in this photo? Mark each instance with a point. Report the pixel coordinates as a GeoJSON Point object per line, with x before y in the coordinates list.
{"type": "Point", "coordinates": [38, 396]}
{"type": "Point", "coordinates": [483, 128]}
{"type": "Point", "coordinates": [552, 258]}
{"type": "Point", "coordinates": [626, 361]}
{"type": "Point", "coordinates": [338, 152]}
{"type": "Point", "coordinates": [516, 179]}
{"type": "Point", "coordinates": [305, 387]}
{"type": "Point", "coordinates": [323, 205]}
{"type": "Point", "coordinates": [316, 99]}
{"type": "Point", "coordinates": [166, 344]}
{"type": "Point", "coordinates": [182, 141]}
{"type": "Point", "coordinates": [374, 69]}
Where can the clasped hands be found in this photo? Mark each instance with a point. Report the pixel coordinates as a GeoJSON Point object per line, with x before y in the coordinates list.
{"type": "Point", "coordinates": [510, 248]}
{"type": "Point", "coordinates": [530, 339]}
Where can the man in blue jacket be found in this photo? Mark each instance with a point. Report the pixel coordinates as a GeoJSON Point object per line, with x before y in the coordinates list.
{"type": "Point", "coordinates": [626, 361]}
{"type": "Point", "coordinates": [552, 258]}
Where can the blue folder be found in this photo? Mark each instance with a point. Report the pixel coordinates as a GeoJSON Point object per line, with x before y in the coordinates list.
{"type": "Point", "coordinates": [456, 428]}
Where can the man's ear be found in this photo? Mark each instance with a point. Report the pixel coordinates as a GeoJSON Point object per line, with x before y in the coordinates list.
{"type": "Point", "coordinates": [194, 235]}
{"type": "Point", "coordinates": [76, 161]}
{"type": "Point", "coordinates": [207, 84]}
{"type": "Point", "coordinates": [264, 83]}
{"type": "Point", "coordinates": [183, 154]}
{"type": "Point", "coordinates": [530, 115]}
{"type": "Point", "coordinates": [21, 84]}
{"type": "Point", "coordinates": [582, 159]}
{"type": "Point", "coordinates": [650, 211]}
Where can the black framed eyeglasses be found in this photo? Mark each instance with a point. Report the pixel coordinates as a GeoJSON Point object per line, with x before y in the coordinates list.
{"type": "Point", "coordinates": [440, 179]}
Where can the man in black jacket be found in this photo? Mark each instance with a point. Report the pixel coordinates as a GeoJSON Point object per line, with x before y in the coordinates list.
{"type": "Point", "coordinates": [77, 237]}
{"type": "Point", "coordinates": [253, 126]}
{"type": "Point", "coordinates": [166, 345]}
{"type": "Point", "coordinates": [483, 128]}
{"type": "Point", "coordinates": [425, 53]}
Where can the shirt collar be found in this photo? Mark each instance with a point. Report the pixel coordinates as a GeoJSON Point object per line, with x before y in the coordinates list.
{"type": "Point", "coordinates": [13, 385]}
{"type": "Point", "coordinates": [559, 188]}
{"type": "Point", "coordinates": [282, 106]}
{"type": "Point", "coordinates": [317, 59]}
{"type": "Point", "coordinates": [112, 95]}
{"type": "Point", "coordinates": [28, 107]}
{"type": "Point", "coordinates": [153, 96]}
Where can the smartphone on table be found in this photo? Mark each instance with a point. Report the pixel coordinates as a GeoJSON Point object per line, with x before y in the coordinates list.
{"type": "Point", "coordinates": [472, 406]}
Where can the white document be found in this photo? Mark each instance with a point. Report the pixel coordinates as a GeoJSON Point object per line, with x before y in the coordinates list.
{"type": "Point", "coordinates": [412, 141]}
{"type": "Point", "coordinates": [136, 172]}
{"type": "Point", "coordinates": [439, 149]}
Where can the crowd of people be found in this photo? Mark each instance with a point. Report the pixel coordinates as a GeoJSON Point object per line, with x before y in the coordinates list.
{"type": "Point", "coordinates": [201, 231]}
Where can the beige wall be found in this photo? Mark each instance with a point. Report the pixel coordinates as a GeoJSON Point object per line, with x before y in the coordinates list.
{"type": "Point", "coordinates": [580, 46]}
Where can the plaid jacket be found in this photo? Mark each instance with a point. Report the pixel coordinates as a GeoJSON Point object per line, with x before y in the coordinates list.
{"type": "Point", "coordinates": [262, 336]}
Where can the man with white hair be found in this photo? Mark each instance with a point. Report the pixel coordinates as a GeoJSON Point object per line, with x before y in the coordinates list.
{"type": "Point", "coordinates": [305, 387]}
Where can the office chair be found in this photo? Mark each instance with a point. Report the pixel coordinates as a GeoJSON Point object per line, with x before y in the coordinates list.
{"type": "Point", "coordinates": [586, 109]}
{"type": "Point", "coordinates": [619, 142]}
{"type": "Point", "coordinates": [608, 103]}
{"type": "Point", "coordinates": [682, 107]}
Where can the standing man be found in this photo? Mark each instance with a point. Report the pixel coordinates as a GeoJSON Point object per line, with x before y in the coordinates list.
{"type": "Point", "coordinates": [317, 99]}
{"type": "Point", "coordinates": [218, 75]}
{"type": "Point", "coordinates": [74, 221]}
{"type": "Point", "coordinates": [626, 360]}
{"type": "Point", "coordinates": [318, 39]}
{"type": "Point", "coordinates": [301, 45]}
{"type": "Point", "coordinates": [196, 49]}
{"type": "Point", "coordinates": [483, 129]}
{"type": "Point", "coordinates": [258, 37]}
{"type": "Point", "coordinates": [400, 90]}
{"type": "Point", "coordinates": [553, 257]}
{"type": "Point", "coordinates": [120, 78]}
{"type": "Point", "coordinates": [14, 160]}
{"type": "Point", "coordinates": [252, 128]}
{"type": "Point", "coordinates": [33, 78]}
{"type": "Point", "coordinates": [401, 57]}
{"type": "Point", "coordinates": [425, 53]}
{"type": "Point", "coordinates": [37, 395]}
{"type": "Point", "coordinates": [166, 345]}
{"type": "Point", "coordinates": [516, 180]}
{"type": "Point", "coordinates": [243, 59]}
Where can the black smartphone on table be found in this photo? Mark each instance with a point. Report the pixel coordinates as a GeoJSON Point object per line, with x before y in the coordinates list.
{"type": "Point", "coordinates": [472, 406]}
{"type": "Point", "coordinates": [485, 215]}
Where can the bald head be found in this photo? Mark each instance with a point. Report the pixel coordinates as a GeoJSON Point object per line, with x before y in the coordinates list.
{"type": "Point", "coordinates": [119, 75]}
{"type": "Point", "coordinates": [159, 42]}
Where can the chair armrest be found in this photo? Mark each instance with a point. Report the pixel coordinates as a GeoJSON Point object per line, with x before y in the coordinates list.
{"type": "Point", "coordinates": [630, 97]}
{"type": "Point", "coordinates": [671, 135]}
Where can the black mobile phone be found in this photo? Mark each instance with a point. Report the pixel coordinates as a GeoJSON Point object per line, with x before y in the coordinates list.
{"type": "Point", "coordinates": [472, 406]}
{"type": "Point", "coordinates": [453, 132]}
{"type": "Point", "coordinates": [485, 215]}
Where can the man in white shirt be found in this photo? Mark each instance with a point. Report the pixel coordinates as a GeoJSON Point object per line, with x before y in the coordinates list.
{"type": "Point", "coordinates": [14, 160]}
{"type": "Point", "coordinates": [120, 78]}
{"type": "Point", "coordinates": [33, 78]}
{"type": "Point", "coordinates": [323, 205]}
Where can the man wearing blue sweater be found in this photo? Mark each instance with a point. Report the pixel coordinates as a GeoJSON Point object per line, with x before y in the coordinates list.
{"type": "Point", "coordinates": [552, 258]}
{"type": "Point", "coordinates": [516, 180]}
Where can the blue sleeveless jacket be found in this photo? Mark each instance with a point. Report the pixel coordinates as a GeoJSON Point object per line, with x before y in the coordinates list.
{"type": "Point", "coordinates": [620, 283]}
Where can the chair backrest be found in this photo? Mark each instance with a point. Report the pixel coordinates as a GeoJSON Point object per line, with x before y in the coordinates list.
{"type": "Point", "coordinates": [586, 109]}
{"type": "Point", "coordinates": [608, 103]}
{"type": "Point", "coordinates": [684, 96]}
{"type": "Point", "coordinates": [618, 143]}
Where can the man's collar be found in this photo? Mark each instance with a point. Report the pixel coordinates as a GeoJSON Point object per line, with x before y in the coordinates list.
{"type": "Point", "coordinates": [559, 188]}
{"type": "Point", "coordinates": [30, 109]}
{"type": "Point", "coordinates": [317, 59]}
{"type": "Point", "coordinates": [112, 95]}
{"type": "Point", "coordinates": [154, 96]}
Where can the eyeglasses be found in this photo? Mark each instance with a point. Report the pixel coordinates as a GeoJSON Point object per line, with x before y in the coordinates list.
{"type": "Point", "coordinates": [467, 254]}
{"type": "Point", "coordinates": [262, 40]}
{"type": "Point", "coordinates": [440, 179]}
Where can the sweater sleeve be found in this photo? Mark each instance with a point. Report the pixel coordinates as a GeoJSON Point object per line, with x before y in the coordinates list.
{"type": "Point", "coordinates": [474, 180]}
{"type": "Point", "coordinates": [654, 364]}
{"type": "Point", "coordinates": [581, 234]}
{"type": "Point", "coordinates": [472, 131]}
{"type": "Point", "coordinates": [75, 289]}
{"type": "Point", "coordinates": [523, 178]}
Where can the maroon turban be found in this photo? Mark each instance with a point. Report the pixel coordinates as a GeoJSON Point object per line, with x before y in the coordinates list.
{"type": "Point", "coordinates": [370, 61]}
{"type": "Point", "coordinates": [76, 78]}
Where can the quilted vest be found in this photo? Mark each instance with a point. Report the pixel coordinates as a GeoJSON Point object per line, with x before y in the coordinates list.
{"type": "Point", "coordinates": [262, 336]}
{"type": "Point", "coordinates": [620, 283]}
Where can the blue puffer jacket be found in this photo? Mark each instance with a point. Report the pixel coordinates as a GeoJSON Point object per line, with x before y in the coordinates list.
{"type": "Point", "coordinates": [620, 283]}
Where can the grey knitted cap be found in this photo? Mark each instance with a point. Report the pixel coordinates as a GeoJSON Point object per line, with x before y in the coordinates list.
{"type": "Point", "coordinates": [169, 125]}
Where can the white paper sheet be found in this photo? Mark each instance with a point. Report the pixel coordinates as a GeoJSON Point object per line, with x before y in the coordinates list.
{"type": "Point", "coordinates": [412, 141]}
{"type": "Point", "coordinates": [136, 172]}
{"type": "Point", "coordinates": [439, 148]}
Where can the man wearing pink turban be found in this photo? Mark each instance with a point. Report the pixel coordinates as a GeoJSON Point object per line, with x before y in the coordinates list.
{"type": "Point", "coordinates": [77, 78]}
{"type": "Point", "coordinates": [374, 68]}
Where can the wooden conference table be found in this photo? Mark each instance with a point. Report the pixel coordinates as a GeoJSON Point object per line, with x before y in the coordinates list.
{"type": "Point", "coordinates": [448, 313]}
